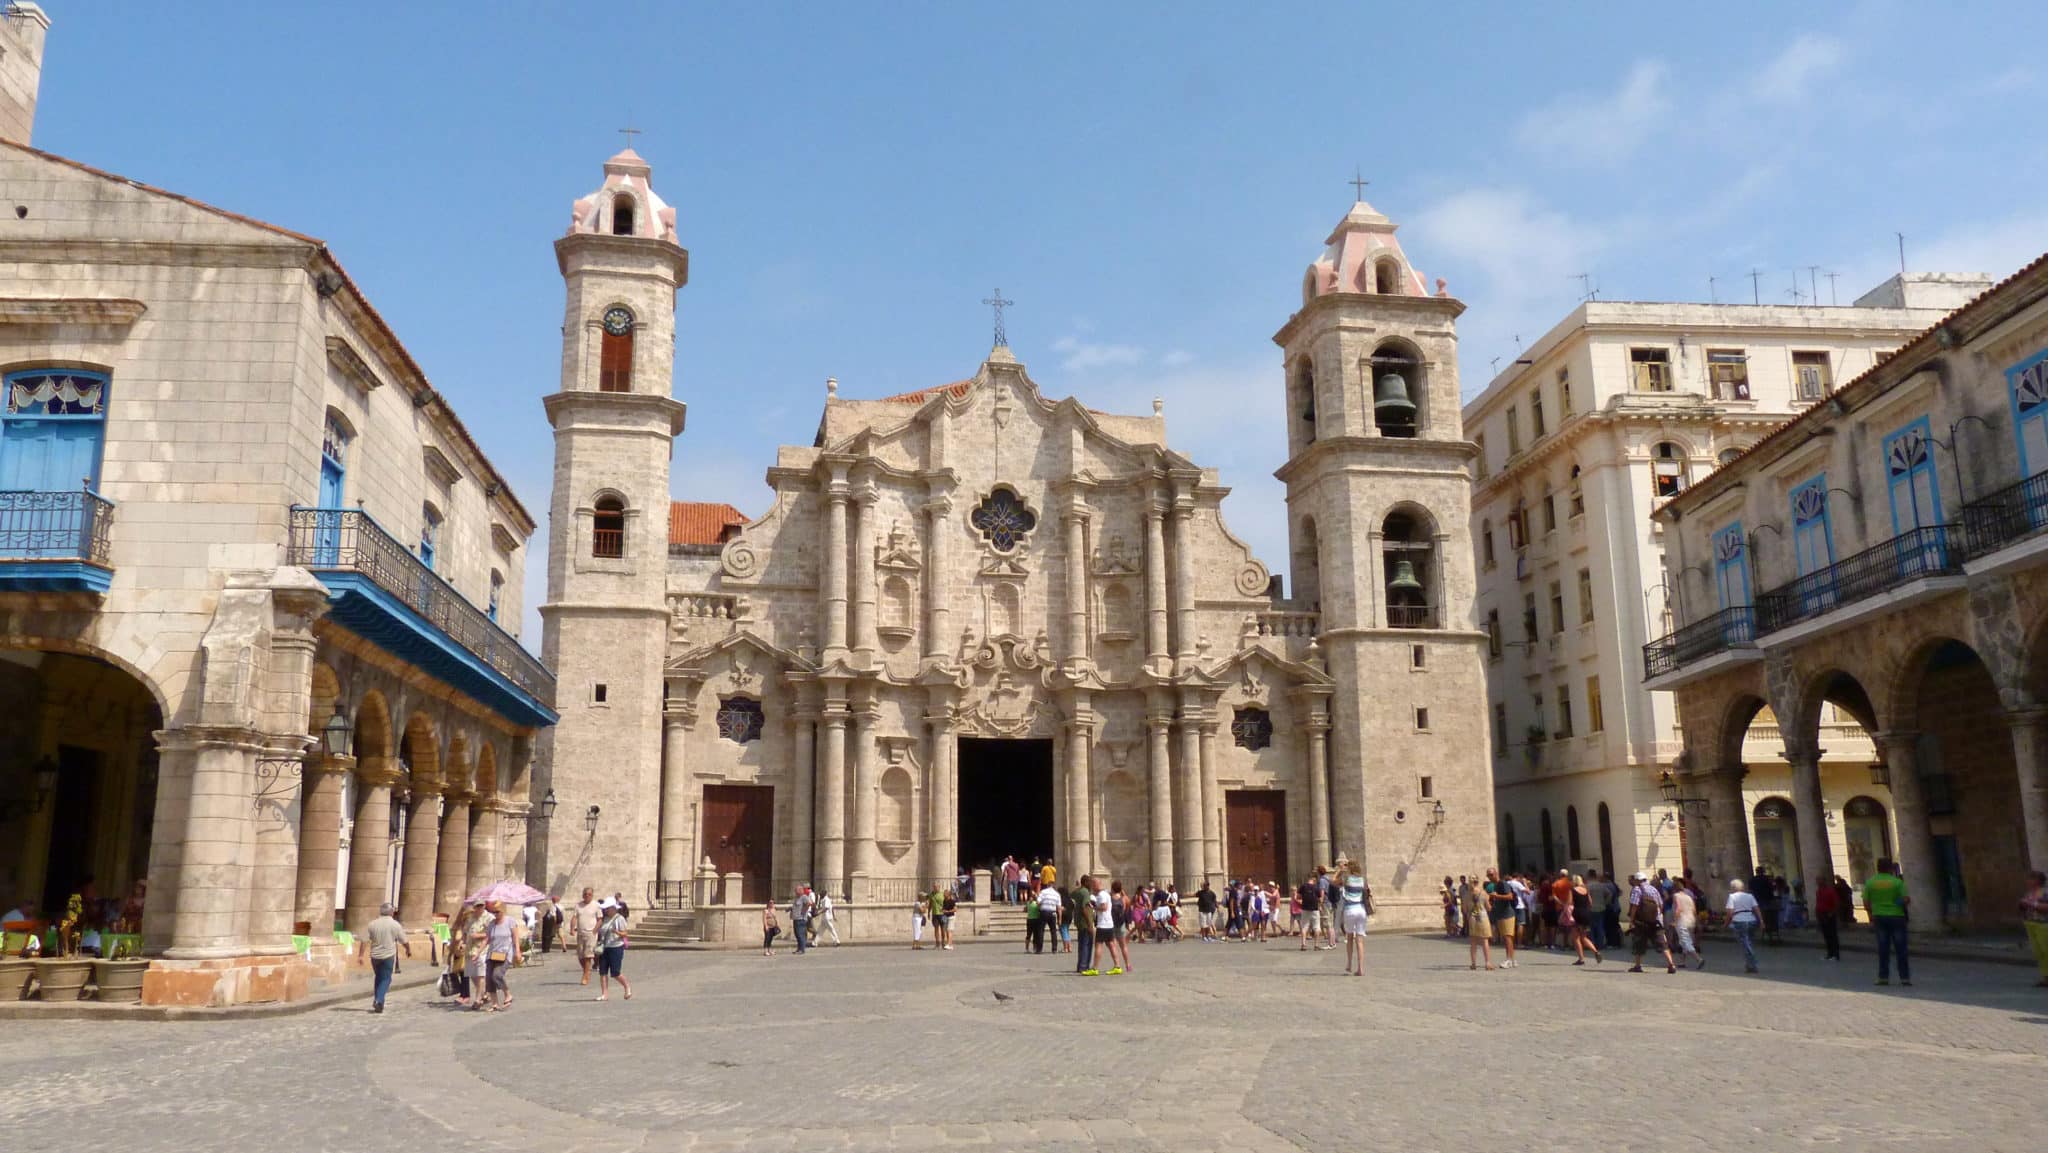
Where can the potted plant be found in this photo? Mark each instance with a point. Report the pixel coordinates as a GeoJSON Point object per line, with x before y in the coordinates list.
{"type": "Point", "coordinates": [15, 973]}
{"type": "Point", "coordinates": [63, 977]}
{"type": "Point", "coordinates": [119, 977]}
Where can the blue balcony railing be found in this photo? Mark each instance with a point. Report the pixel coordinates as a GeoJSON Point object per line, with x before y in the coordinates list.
{"type": "Point", "coordinates": [70, 525]}
{"type": "Point", "coordinates": [2011, 514]}
{"type": "Point", "coordinates": [348, 541]}
{"type": "Point", "coordinates": [1931, 550]}
{"type": "Point", "coordinates": [1725, 630]}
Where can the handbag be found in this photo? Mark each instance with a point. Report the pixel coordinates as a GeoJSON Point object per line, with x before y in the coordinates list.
{"type": "Point", "coordinates": [496, 957]}
{"type": "Point", "coordinates": [446, 986]}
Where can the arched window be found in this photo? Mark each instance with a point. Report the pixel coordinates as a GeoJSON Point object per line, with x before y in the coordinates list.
{"type": "Point", "coordinates": [497, 592]}
{"type": "Point", "coordinates": [1305, 397]}
{"type": "Point", "coordinates": [1386, 276]}
{"type": "Point", "coordinates": [895, 603]}
{"type": "Point", "coordinates": [608, 528]}
{"type": "Point", "coordinates": [1606, 824]}
{"type": "Point", "coordinates": [1571, 832]}
{"type": "Point", "coordinates": [1510, 855]}
{"type": "Point", "coordinates": [1408, 565]}
{"type": "Point", "coordinates": [1578, 497]}
{"type": "Point", "coordinates": [1728, 456]}
{"type": "Point", "coordinates": [1549, 846]}
{"type": "Point", "coordinates": [334, 461]}
{"type": "Point", "coordinates": [895, 817]}
{"type": "Point", "coordinates": [1308, 577]}
{"type": "Point", "coordinates": [430, 533]}
{"type": "Point", "coordinates": [622, 215]}
{"type": "Point", "coordinates": [1868, 836]}
{"type": "Point", "coordinates": [615, 351]}
{"type": "Point", "coordinates": [1667, 470]}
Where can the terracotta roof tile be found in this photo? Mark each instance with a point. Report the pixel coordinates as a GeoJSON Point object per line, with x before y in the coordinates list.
{"type": "Point", "coordinates": [954, 390]}
{"type": "Point", "coordinates": [700, 522]}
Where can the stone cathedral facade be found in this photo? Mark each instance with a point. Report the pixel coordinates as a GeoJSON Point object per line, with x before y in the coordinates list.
{"type": "Point", "coordinates": [979, 620]}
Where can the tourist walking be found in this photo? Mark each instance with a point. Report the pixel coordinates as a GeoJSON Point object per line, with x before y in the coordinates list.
{"type": "Point", "coordinates": [1502, 914]}
{"type": "Point", "coordinates": [382, 938]}
{"type": "Point", "coordinates": [1827, 909]}
{"type": "Point", "coordinates": [1473, 901]}
{"type": "Point", "coordinates": [1884, 897]}
{"type": "Point", "coordinates": [2034, 915]}
{"type": "Point", "coordinates": [1646, 923]}
{"type": "Point", "coordinates": [458, 955]}
{"type": "Point", "coordinates": [1765, 890]}
{"type": "Point", "coordinates": [611, 951]}
{"type": "Point", "coordinates": [479, 948]}
{"type": "Point", "coordinates": [949, 905]}
{"type": "Point", "coordinates": [1685, 909]}
{"type": "Point", "coordinates": [588, 916]}
{"type": "Point", "coordinates": [501, 952]}
{"type": "Point", "coordinates": [1119, 931]}
{"type": "Point", "coordinates": [1745, 916]}
{"type": "Point", "coordinates": [1084, 918]}
{"type": "Point", "coordinates": [1573, 917]}
{"type": "Point", "coordinates": [822, 923]}
{"type": "Point", "coordinates": [1205, 911]}
{"type": "Point", "coordinates": [1049, 910]}
{"type": "Point", "coordinates": [770, 929]}
{"type": "Point", "coordinates": [1011, 872]}
{"type": "Point", "coordinates": [1310, 895]}
{"type": "Point", "coordinates": [800, 918]}
{"type": "Point", "coordinates": [1355, 910]}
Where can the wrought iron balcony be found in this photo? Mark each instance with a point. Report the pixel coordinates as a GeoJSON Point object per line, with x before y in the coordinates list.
{"type": "Point", "coordinates": [1932, 550]}
{"type": "Point", "coordinates": [55, 540]}
{"type": "Point", "coordinates": [2009, 515]}
{"type": "Point", "coordinates": [1724, 630]}
{"type": "Point", "coordinates": [347, 542]}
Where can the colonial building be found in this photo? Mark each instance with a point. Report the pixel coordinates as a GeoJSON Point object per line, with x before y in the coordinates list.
{"type": "Point", "coordinates": [1880, 558]}
{"type": "Point", "coordinates": [977, 620]}
{"type": "Point", "coordinates": [1608, 415]}
{"type": "Point", "coordinates": [252, 569]}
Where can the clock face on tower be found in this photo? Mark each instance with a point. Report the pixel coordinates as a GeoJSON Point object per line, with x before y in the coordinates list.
{"type": "Point", "coordinates": [618, 320]}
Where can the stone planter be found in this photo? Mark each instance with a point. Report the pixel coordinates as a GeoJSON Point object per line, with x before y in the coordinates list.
{"type": "Point", "coordinates": [62, 980]}
{"type": "Point", "coordinates": [15, 973]}
{"type": "Point", "coordinates": [120, 982]}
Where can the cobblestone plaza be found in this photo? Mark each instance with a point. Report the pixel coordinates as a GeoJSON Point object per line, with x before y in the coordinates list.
{"type": "Point", "coordinates": [1237, 1047]}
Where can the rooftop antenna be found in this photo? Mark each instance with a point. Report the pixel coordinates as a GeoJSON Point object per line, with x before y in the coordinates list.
{"type": "Point", "coordinates": [1496, 366]}
{"type": "Point", "coordinates": [1713, 296]}
{"type": "Point", "coordinates": [1813, 282]}
{"type": "Point", "coordinates": [1586, 289]}
{"type": "Point", "coordinates": [1902, 252]}
{"type": "Point", "coordinates": [1755, 292]}
{"type": "Point", "coordinates": [1797, 296]}
{"type": "Point", "coordinates": [1831, 288]}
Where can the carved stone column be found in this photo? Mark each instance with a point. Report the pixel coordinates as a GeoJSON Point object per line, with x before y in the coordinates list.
{"type": "Point", "coordinates": [864, 786]}
{"type": "Point", "coordinates": [1816, 862]}
{"type": "Point", "coordinates": [320, 839]}
{"type": "Point", "coordinates": [941, 859]}
{"type": "Point", "coordinates": [830, 869]}
{"type": "Point", "coordinates": [1155, 586]}
{"type": "Point", "coordinates": [1187, 790]}
{"type": "Point", "coordinates": [1077, 583]}
{"type": "Point", "coordinates": [2029, 744]}
{"type": "Point", "coordinates": [369, 843]}
{"type": "Point", "coordinates": [1184, 580]}
{"type": "Point", "coordinates": [1319, 788]}
{"type": "Point", "coordinates": [674, 865]}
{"type": "Point", "coordinates": [1160, 778]}
{"type": "Point", "coordinates": [416, 887]}
{"type": "Point", "coordinates": [834, 582]}
{"type": "Point", "coordinates": [1212, 803]}
{"type": "Point", "coordinates": [1080, 856]}
{"type": "Point", "coordinates": [864, 569]}
{"type": "Point", "coordinates": [484, 864]}
{"type": "Point", "coordinates": [1916, 840]}
{"type": "Point", "coordinates": [451, 873]}
{"type": "Point", "coordinates": [802, 789]}
{"type": "Point", "coordinates": [938, 534]}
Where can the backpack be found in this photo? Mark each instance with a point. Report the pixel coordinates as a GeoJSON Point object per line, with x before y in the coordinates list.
{"type": "Point", "coordinates": [1643, 914]}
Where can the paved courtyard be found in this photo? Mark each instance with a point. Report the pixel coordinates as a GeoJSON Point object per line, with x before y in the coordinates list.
{"type": "Point", "coordinates": [1226, 1047]}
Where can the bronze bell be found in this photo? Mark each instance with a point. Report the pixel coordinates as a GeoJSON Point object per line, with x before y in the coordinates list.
{"type": "Point", "coordinates": [1404, 576]}
{"type": "Point", "coordinates": [1390, 403]}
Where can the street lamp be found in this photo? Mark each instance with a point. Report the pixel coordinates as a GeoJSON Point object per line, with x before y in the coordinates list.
{"type": "Point", "coordinates": [1436, 814]}
{"type": "Point", "coordinates": [590, 820]}
{"type": "Point", "coordinates": [547, 806]}
{"type": "Point", "coordinates": [1668, 785]}
{"type": "Point", "coordinates": [337, 736]}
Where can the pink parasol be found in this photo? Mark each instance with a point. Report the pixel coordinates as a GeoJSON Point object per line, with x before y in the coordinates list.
{"type": "Point", "coordinates": [506, 892]}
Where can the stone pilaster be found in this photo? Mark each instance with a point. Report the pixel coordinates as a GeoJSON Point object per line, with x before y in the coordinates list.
{"type": "Point", "coordinates": [1212, 803]}
{"type": "Point", "coordinates": [863, 629]}
{"type": "Point", "coordinates": [369, 843]}
{"type": "Point", "coordinates": [1187, 792]}
{"type": "Point", "coordinates": [941, 859]}
{"type": "Point", "coordinates": [416, 885]}
{"type": "Point", "coordinates": [834, 583]}
{"type": "Point", "coordinates": [829, 872]}
{"type": "Point", "coordinates": [451, 870]}
{"type": "Point", "coordinates": [1156, 651]}
{"type": "Point", "coordinates": [677, 819]}
{"type": "Point", "coordinates": [802, 785]}
{"type": "Point", "coordinates": [320, 839]}
{"type": "Point", "coordinates": [1916, 840]}
{"type": "Point", "coordinates": [1184, 581]}
{"type": "Point", "coordinates": [1319, 789]}
{"type": "Point", "coordinates": [1080, 856]}
{"type": "Point", "coordinates": [2029, 745]}
{"type": "Point", "coordinates": [864, 786]}
{"type": "Point", "coordinates": [938, 532]}
{"type": "Point", "coordinates": [1077, 584]}
{"type": "Point", "coordinates": [1816, 863]}
{"type": "Point", "coordinates": [1159, 764]}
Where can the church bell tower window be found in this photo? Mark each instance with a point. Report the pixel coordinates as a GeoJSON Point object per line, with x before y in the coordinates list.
{"type": "Point", "coordinates": [1002, 519]}
{"type": "Point", "coordinates": [622, 215]}
{"type": "Point", "coordinates": [608, 528]}
{"type": "Point", "coordinates": [615, 352]}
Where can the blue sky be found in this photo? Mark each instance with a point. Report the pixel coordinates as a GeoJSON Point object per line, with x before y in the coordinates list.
{"type": "Point", "coordinates": [1147, 182]}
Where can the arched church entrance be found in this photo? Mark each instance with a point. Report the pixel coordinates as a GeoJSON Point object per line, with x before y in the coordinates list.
{"type": "Point", "coordinates": [1006, 801]}
{"type": "Point", "coordinates": [78, 785]}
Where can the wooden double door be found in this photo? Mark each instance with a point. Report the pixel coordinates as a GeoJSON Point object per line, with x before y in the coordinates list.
{"type": "Point", "coordinates": [739, 835]}
{"type": "Point", "coordinates": [1255, 829]}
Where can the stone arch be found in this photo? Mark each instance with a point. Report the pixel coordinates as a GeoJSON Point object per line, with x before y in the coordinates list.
{"type": "Point", "coordinates": [320, 703]}
{"type": "Point", "coordinates": [81, 649]}
{"type": "Point", "coordinates": [419, 750]}
{"type": "Point", "coordinates": [1395, 356]}
{"type": "Point", "coordinates": [1833, 685]}
{"type": "Point", "coordinates": [1410, 568]}
{"type": "Point", "coordinates": [896, 814]}
{"type": "Point", "coordinates": [1308, 565]}
{"type": "Point", "coordinates": [623, 215]}
{"type": "Point", "coordinates": [373, 727]}
{"type": "Point", "coordinates": [458, 767]}
{"type": "Point", "coordinates": [1123, 808]}
{"type": "Point", "coordinates": [1734, 726]}
{"type": "Point", "coordinates": [1386, 275]}
{"type": "Point", "coordinates": [487, 771]}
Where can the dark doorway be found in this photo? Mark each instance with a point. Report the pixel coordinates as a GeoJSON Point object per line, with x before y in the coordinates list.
{"type": "Point", "coordinates": [1005, 801]}
{"type": "Point", "coordinates": [1255, 822]}
{"type": "Point", "coordinates": [72, 851]}
{"type": "Point", "coordinates": [739, 835]}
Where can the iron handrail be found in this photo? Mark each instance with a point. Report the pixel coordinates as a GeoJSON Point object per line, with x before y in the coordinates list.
{"type": "Point", "coordinates": [2010, 514]}
{"type": "Point", "coordinates": [1930, 550]}
{"type": "Point", "coordinates": [349, 540]}
{"type": "Point", "coordinates": [69, 524]}
{"type": "Point", "coordinates": [1702, 638]}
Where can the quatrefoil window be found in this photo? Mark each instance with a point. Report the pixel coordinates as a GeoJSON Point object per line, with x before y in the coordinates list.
{"type": "Point", "coordinates": [1002, 519]}
{"type": "Point", "coordinates": [740, 719]}
{"type": "Point", "coordinates": [1252, 729]}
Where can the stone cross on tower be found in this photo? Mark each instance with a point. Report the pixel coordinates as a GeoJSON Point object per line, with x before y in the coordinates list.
{"type": "Point", "coordinates": [998, 303]}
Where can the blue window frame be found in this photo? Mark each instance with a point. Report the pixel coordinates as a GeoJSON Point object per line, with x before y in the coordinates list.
{"type": "Point", "coordinates": [2028, 383]}
{"type": "Point", "coordinates": [1910, 478]}
{"type": "Point", "coordinates": [1731, 566]}
{"type": "Point", "coordinates": [1813, 541]}
{"type": "Point", "coordinates": [54, 430]}
{"type": "Point", "coordinates": [333, 486]}
{"type": "Point", "coordinates": [497, 590]}
{"type": "Point", "coordinates": [430, 534]}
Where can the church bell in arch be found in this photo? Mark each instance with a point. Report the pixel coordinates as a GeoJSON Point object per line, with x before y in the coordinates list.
{"type": "Point", "coordinates": [1404, 576]}
{"type": "Point", "coordinates": [1390, 403]}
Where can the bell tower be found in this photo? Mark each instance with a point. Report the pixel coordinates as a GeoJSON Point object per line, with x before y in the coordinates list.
{"type": "Point", "coordinates": [1378, 482]}
{"type": "Point", "coordinates": [604, 628]}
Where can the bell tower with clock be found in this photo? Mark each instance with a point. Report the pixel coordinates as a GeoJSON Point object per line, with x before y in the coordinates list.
{"type": "Point", "coordinates": [604, 617]}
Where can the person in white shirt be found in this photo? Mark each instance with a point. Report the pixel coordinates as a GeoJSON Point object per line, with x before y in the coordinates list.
{"type": "Point", "coordinates": [821, 919]}
{"type": "Point", "coordinates": [1744, 917]}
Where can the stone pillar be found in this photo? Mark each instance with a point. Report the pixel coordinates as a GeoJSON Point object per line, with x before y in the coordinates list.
{"type": "Point", "coordinates": [1727, 830]}
{"type": "Point", "coordinates": [938, 640]}
{"type": "Point", "coordinates": [803, 778]}
{"type": "Point", "coordinates": [941, 861]}
{"type": "Point", "coordinates": [864, 569]}
{"type": "Point", "coordinates": [484, 866]}
{"type": "Point", "coordinates": [1160, 767]}
{"type": "Point", "coordinates": [1187, 791]}
{"type": "Point", "coordinates": [1319, 789]}
{"type": "Point", "coordinates": [218, 850]}
{"type": "Point", "coordinates": [834, 583]}
{"type": "Point", "coordinates": [1077, 584]}
{"type": "Point", "coordinates": [1915, 851]}
{"type": "Point", "coordinates": [1212, 804]}
{"type": "Point", "coordinates": [1816, 862]}
{"type": "Point", "coordinates": [1080, 856]}
{"type": "Point", "coordinates": [2029, 743]}
{"type": "Point", "coordinates": [451, 872]}
{"type": "Point", "coordinates": [320, 839]}
{"type": "Point", "coordinates": [673, 865]}
{"type": "Point", "coordinates": [369, 843]}
{"type": "Point", "coordinates": [1184, 581]}
{"type": "Point", "coordinates": [416, 887]}
{"type": "Point", "coordinates": [864, 785]}
{"type": "Point", "coordinates": [1155, 586]}
{"type": "Point", "coordinates": [274, 876]}
{"type": "Point", "coordinates": [830, 870]}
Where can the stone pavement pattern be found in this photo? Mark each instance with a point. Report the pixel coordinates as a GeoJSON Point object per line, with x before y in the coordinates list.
{"type": "Point", "coordinates": [1237, 1047]}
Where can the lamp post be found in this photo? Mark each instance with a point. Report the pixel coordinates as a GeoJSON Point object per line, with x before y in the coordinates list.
{"type": "Point", "coordinates": [590, 821]}
{"type": "Point", "coordinates": [1436, 814]}
{"type": "Point", "coordinates": [547, 807]}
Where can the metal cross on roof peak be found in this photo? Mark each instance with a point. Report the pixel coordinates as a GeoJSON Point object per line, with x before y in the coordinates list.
{"type": "Point", "coordinates": [998, 303]}
{"type": "Point", "coordinates": [629, 134]}
{"type": "Point", "coordinates": [1359, 182]}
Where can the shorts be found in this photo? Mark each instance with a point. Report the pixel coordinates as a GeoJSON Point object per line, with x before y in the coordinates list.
{"type": "Point", "coordinates": [1207, 920]}
{"type": "Point", "coordinates": [586, 945]}
{"type": "Point", "coordinates": [945, 920]}
{"type": "Point", "coordinates": [1521, 918]}
{"type": "Point", "coordinates": [1312, 920]}
{"type": "Point", "coordinates": [1354, 920]}
{"type": "Point", "coordinates": [1505, 925]}
{"type": "Point", "coordinates": [610, 961]}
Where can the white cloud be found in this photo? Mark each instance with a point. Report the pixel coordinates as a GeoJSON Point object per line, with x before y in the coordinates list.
{"type": "Point", "coordinates": [1791, 76]}
{"type": "Point", "coordinates": [1998, 247]}
{"type": "Point", "coordinates": [1077, 355]}
{"type": "Point", "coordinates": [1603, 129]}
